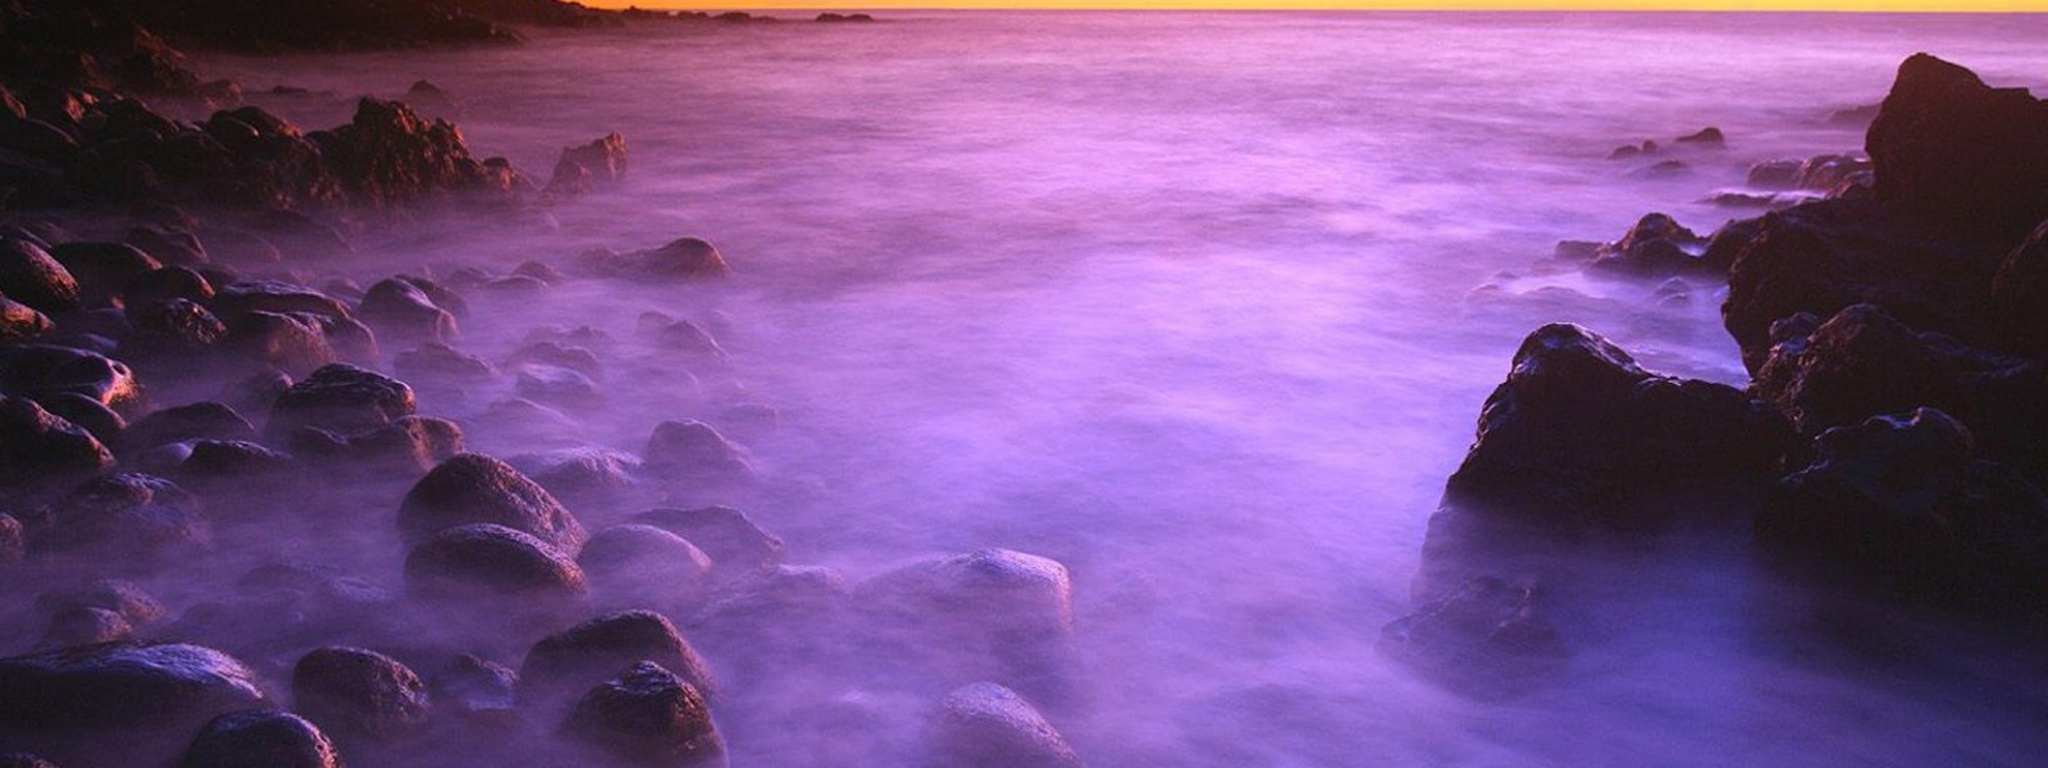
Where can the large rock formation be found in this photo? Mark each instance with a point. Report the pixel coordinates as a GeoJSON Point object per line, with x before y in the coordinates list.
{"type": "Point", "coordinates": [1959, 156]}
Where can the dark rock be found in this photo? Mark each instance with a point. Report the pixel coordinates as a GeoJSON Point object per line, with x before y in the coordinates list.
{"type": "Point", "coordinates": [93, 415]}
{"type": "Point", "coordinates": [43, 448]}
{"type": "Point", "coordinates": [563, 665]}
{"type": "Point", "coordinates": [1664, 170]}
{"type": "Point", "coordinates": [647, 716]}
{"type": "Point", "coordinates": [1900, 505]}
{"type": "Point", "coordinates": [472, 488]}
{"type": "Point", "coordinates": [165, 284]}
{"type": "Point", "coordinates": [242, 478]}
{"type": "Point", "coordinates": [1960, 156]}
{"type": "Point", "coordinates": [125, 599]}
{"type": "Point", "coordinates": [198, 421]}
{"type": "Point", "coordinates": [580, 168]}
{"type": "Point", "coordinates": [400, 310]}
{"type": "Point", "coordinates": [44, 371]}
{"type": "Point", "coordinates": [985, 725]}
{"type": "Point", "coordinates": [1776, 174]}
{"type": "Point", "coordinates": [486, 561]}
{"type": "Point", "coordinates": [687, 338]}
{"type": "Point", "coordinates": [736, 545]}
{"type": "Point", "coordinates": [351, 341]}
{"type": "Point", "coordinates": [12, 545]}
{"type": "Point", "coordinates": [689, 258]}
{"type": "Point", "coordinates": [389, 156]}
{"type": "Point", "coordinates": [540, 270]}
{"type": "Point", "coordinates": [1863, 363]}
{"type": "Point", "coordinates": [641, 565]}
{"type": "Point", "coordinates": [693, 454]}
{"type": "Point", "coordinates": [475, 687]}
{"type": "Point", "coordinates": [21, 322]}
{"type": "Point", "coordinates": [29, 274]}
{"type": "Point", "coordinates": [176, 335]}
{"type": "Point", "coordinates": [1657, 246]}
{"type": "Point", "coordinates": [293, 342]}
{"type": "Point", "coordinates": [85, 625]}
{"type": "Point", "coordinates": [580, 475]}
{"type": "Point", "coordinates": [119, 704]}
{"type": "Point", "coordinates": [439, 362]}
{"type": "Point", "coordinates": [103, 269]}
{"type": "Point", "coordinates": [2019, 296]}
{"type": "Point", "coordinates": [128, 521]}
{"type": "Point", "coordinates": [1709, 136]}
{"type": "Point", "coordinates": [1488, 639]}
{"type": "Point", "coordinates": [341, 398]}
{"type": "Point", "coordinates": [355, 693]}
{"type": "Point", "coordinates": [992, 614]}
{"type": "Point", "coordinates": [170, 246]}
{"type": "Point", "coordinates": [272, 296]}
{"type": "Point", "coordinates": [1578, 422]}
{"type": "Point", "coordinates": [261, 739]}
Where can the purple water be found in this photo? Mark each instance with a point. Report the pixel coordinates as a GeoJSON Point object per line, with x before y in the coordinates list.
{"type": "Point", "coordinates": [1181, 300]}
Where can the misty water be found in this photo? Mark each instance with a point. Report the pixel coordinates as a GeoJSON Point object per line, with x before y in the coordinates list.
{"type": "Point", "coordinates": [1187, 302]}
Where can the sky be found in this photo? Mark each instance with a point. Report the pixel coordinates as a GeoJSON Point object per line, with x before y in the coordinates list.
{"type": "Point", "coordinates": [1605, 5]}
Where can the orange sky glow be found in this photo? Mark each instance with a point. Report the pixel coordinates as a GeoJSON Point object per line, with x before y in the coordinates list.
{"type": "Point", "coordinates": [1924, 6]}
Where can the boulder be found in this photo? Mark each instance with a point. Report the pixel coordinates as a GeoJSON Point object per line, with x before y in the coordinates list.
{"type": "Point", "coordinates": [647, 716]}
{"type": "Point", "coordinates": [1706, 137]}
{"type": "Point", "coordinates": [340, 398]}
{"type": "Point", "coordinates": [388, 156]}
{"type": "Point", "coordinates": [43, 371]}
{"type": "Point", "coordinates": [735, 544]}
{"type": "Point", "coordinates": [355, 693]}
{"type": "Point", "coordinates": [992, 614]}
{"type": "Point", "coordinates": [779, 623]}
{"type": "Point", "coordinates": [477, 689]}
{"type": "Point", "coordinates": [165, 284]}
{"type": "Point", "coordinates": [125, 521]}
{"type": "Point", "coordinates": [693, 454]}
{"type": "Point", "coordinates": [557, 386]}
{"type": "Point", "coordinates": [641, 565]}
{"type": "Point", "coordinates": [83, 625]}
{"type": "Point", "coordinates": [687, 258]}
{"type": "Point", "coordinates": [985, 725]}
{"type": "Point", "coordinates": [124, 599]}
{"type": "Point", "coordinates": [261, 739]}
{"type": "Point", "coordinates": [439, 363]}
{"type": "Point", "coordinates": [554, 353]}
{"type": "Point", "coordinates": [1578, 423]}
{"type": "Point", "coordinates": [1488, 639]}
{"type": "Point", "coordinates": [473, 488]}
{"type": "Point", "coordinates": [295, 342]}
{"type": "Point", "coordinates": [39, 448]}
{"type": "Point", "coordinates": [1959, 156]}
{"type": "Point", "coordinates": [1657, 246]}
{"type": "Point", "coordinates": [1899, 505]}
{"type": "Point", "coordinates": [237, 299]}
{"type": "Point", "coordinates": [119, 704]}
{"type": "Point", "coordinates": [93, 415]}
{"type": "Point", "coordinates": [563, 665]}
{"type": "Point", "coordinates": [400, 310]}
{"type": "Point", "coordinates": [494, 569]}
{"type": "Point", "coordinates": [581, 475]}
{"type": "Point", "coordinates": [29, 274]}
{"type": "Point", "coordinates": [21, 322]}
{"type": "Point", "coordinates": [197, 421]}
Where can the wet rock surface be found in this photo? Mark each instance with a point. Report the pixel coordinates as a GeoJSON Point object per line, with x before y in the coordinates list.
{"type": "Point", "coordinates": [261, 739]}
{"type": "Point", "coordinates": [473, 488]}
{"type": "Point", "coordinates": [118, 704]}
{"type": "Point", "coordinates": [355, 693]}
{"type": "Point", "coordinates": [647, 716]}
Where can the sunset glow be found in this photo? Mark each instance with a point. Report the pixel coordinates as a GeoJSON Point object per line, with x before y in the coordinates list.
{"type": "Point", "coordinates": [1875, 6]}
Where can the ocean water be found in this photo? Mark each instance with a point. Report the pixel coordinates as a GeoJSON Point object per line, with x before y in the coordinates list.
{"type": "Point", "coordinates": [1187, 302]}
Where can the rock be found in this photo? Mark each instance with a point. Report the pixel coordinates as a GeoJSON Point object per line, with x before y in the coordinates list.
{"type": "Point", "coordinates": [92, 415]}
{"type": "Point", "coordinates": [180, 335]}
{"type": "Point", "coordinates": [124, 599]}
{"type": "Point", "coordinates": [21, 322]}
{"type": "Point", "coordinates": [641, 565]}
{"type": "Point", "coordinates": [2019, 297]}
{"type": "Point", "coordinates": [83, 625]}
{"type": "Point", "coordinates": [1708, 136]}
{"type": "Point", "coordinates": [559, 355]}
{"type": "Point", "coordinates": [1776, 174]}
{"type": "Point", "coordinates": [695, 344]}
{"type": "Point", "coordinates": [1488, 639]}
{"type": "Point", "coordinates": [781, 622]}
{"type": "Point", "coordinates": [564, 664]}
{"type": "Point", "coordinates": [1667, 169]}
{"type": "Point", "coordinates": [540, 270]}
{"type": "Point", "coordinates": [42, 448]}
{"type": "Point", "coordinates": [992, 614]}
{"type": "Point", "coordinates": [29, 275]}
{"type": "Point", "coordinates": [472, 488]}
{"type": "Point", "coordinates": [688, 258]}
{"type": "Point", "coordinates": [261, 739]}
{"type": "Point", "coordinates": [340, 398]}
{"type": "Point", "coordinates": [351, 341]}
{"type": "Point", "coordinates": [985, 725]}
{"type": "Point", "coordinates": [355, 693]}
{"type": "Point", "coordinates": [493, 565]}
{"type": "Point", "coordinates": [12, 546]}
{"type": "Point", "coordinates": [243, 477]}
{"type": "Point", "coordinates": [45, 371]}
{"type": "Point", "coordinates": [434, 361]}
{"type": "Point", "coordinates": [170, 246]}
{"type": "Point", "coordinates": [125, 521]}
{"type": "Point", "coordinates": [579, 168]}
{"type": "Point", "coordinates": [271, 296]}
{"type": "Point", "coordinates": [293, 342]}
{"type": "Point", "coordinates": [1863, 363]}
{"type": "Point", "coordinates": [581, 475]}
{"type": "Point", "coordinates": [558, 386]}
{"type": "Point", "coordinates": [406, 448]}
{"type": "Point", "coordinates": [119, 704]}
{"type": "Point", "coordinates": [647, 716]}
{"type": "Point", "coordinates": [1959, 156]}
{"type": "Point", "coordinates": [736, 545]}
{"type": "Point", "coordinates": [691, 453]}
{"type": "Point", "coordinates": [1657, 246]}
{"type": "Point", "coordinates": [165, 284]}
{"type": "Point", "coordinates": [388, 156]}
{"type": "Point", "coordinates": [1578, 423]}
{"type": "Point", "coordinates": [1901, 506]}
{"type": "Point", "coordinates": [476, 688]}
{"type": "Point", "coordinates": [400, 310]}
{"type": "Point", "coordinates": [197, 421]}
{"type": "Point", "coordinates": [102, 269]}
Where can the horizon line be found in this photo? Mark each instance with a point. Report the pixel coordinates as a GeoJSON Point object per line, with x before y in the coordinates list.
{"type": "Point", "coordinates": [1921, 7]}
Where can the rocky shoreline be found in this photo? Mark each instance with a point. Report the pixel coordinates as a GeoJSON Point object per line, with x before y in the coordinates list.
{"type": "Point", "coordinates": [178, 393]}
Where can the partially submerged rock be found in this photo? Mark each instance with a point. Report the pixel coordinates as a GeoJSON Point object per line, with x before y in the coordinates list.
{"type": "Point", "coordinates": [119, 704]}
{"type": "Point", "coordinates": [985, 725]}
{"type": "Point", "coordinates": [261, 739]}
{"type": "Point", "coordinates": [647, 716]}
{"type": "Point", "coordinates": [472, 488]}
{"type": "Point", "coordinates": [564, 664]}
{"type": "Point", "coordinates": [356, 693]}
{"type": "Point", "coordinates": [1490, 638]}
{"type": "Point", "coordinates": [341, 398]}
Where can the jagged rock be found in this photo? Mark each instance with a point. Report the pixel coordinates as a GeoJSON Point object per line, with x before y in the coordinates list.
{"type": "Point", "coordinates": [1490, 638]}
{"type": "Point", "coordinates": [1577, 422]}
{"type": "Point", "coordinates": [29, 274]}
{"type": "Point", "coordinates": [736, 545]}
{"type": "Point", "coordinates": [647, 716]}
{"type": "Point", "coordinates": [985, 725]}
{"type": "Point", "coordinates": [565, 664]}
{"type": "Point", "coordinates": [1960, 156]}
{"type": "Point", "coordinates": [472, 488]}
{"type": "Point", "coordinates": [1657, 246]}
{"type": "Point", "coordinates": [261, 739]}
{"type": "Point", "coordinates": [340, 398]}
{"type": "Point", "coordinates": [389, 156]}
{"type": "Point", "coordinates": [1863, 363]}
{"type": "Point", "coordinates": [580, 168]}
{"type": "Point", "coordinates": [356, 693]}
{"type": "Point", "coordinates": [119, 704]}
{"type": "Point", "coordinates": [641, 565]}
{"type": "Point", "coordinates": [127, 521]}
{"type": "Point", "coordinates": [691, 453]}
{"type": "Point", "coordinates": [992, 614]}
{"type": "Point", "coordinates": [197, 421]}
{"type": "Point", "coordinates": [1901, 506]}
